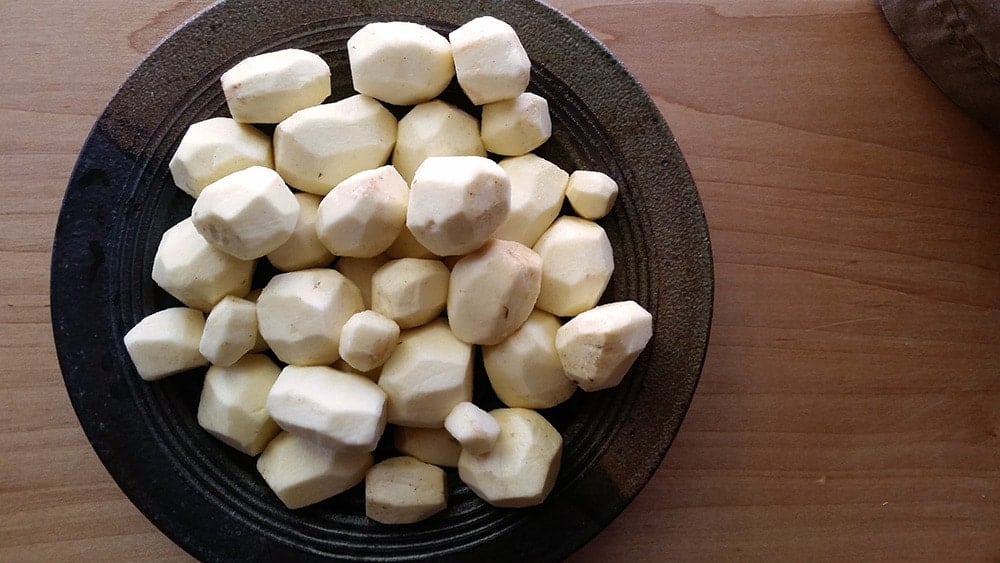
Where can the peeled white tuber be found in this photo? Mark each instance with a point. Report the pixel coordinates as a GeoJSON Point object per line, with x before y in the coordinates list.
{"type": "Point", "coordinates": [166, 343]}
{"type": "Point", "coordinates": [577, 263]}
{"type": "Point", "coordinates": [430, 445]}
{"type": "Point", "coordinates": [230, 331]}
{"type": "Point", "coordinates": [427, 375]}
{"type": "Point", "coordinates": [364, 214]}
{"type": "Point", "coordinates": [300, 314]}
{"type": "Point", "coordinates": [318, 147]}
{"type": "Point", "coordinates": [269, 87]}
{"type": "Point", "coordinates": [360, 272]}
{"type": "Point", "coordinates": [367, 340]}
{"type": "Point", "coordinates": [410, 291]}
{"type": "Point", "coordinates": [434, 129]}
{"type": "Point", "coordinates": [536, 196]}
{"type": "Point", "coordinates": [404, 490]}
{"type": "Point", "coordinates": [456, 202]}
{"type": "Point", "coordinates": [402, 63]}
{"type": "Point", "coordinates": [247, 213]}
{"type": "Point", "coordinates": [303, 249]}
{"type": "Point", "coordinates": [492, 291]}
{"type": "Point", "coordinates": [232, 402]}
{"type": "Point", "coordinates": [199, 275]}
{"type": "Point", "coordinates": [521, 468]}
{"type": "Point", "coordinates": [591, 193]}
{"type": "Point", "coordinates": [490, 62]}
{"type": "Point", "coordinates": [475, 429]}
{"type": "Point", "coordinates": [597, 347]}
{"type": "Point", "coordinates": [340, 410]}
{"type": "Point", "coordinates": [215, 148]}
{"type": "Point", "coordinates": [518, 126]}
{"type": "Point", "coordinates": [525, 370]}
{"type": "Point", "coordinates": [302, 472]}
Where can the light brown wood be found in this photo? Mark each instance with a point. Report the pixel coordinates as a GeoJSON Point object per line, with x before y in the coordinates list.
{"type": "Point", "coordinates": [850, 401]}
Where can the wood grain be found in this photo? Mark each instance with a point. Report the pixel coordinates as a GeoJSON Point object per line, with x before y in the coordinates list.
{"type": "Point", "coordinates": [850, 401]}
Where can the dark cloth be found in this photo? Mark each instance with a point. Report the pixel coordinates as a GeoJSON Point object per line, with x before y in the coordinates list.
{"type": "Point", "coordinates": [957, 43]}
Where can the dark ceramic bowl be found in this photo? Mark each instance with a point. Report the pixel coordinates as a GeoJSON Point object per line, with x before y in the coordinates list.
{"type": "Point", "coordinates": [209, 498]}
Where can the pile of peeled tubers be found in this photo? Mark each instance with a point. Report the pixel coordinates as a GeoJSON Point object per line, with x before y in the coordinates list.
{"type": "Point", "coordinates": [442, 250]}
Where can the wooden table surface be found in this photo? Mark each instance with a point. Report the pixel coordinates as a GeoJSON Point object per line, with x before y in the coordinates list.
{"type": "Point", "coordinates": [850, 400]}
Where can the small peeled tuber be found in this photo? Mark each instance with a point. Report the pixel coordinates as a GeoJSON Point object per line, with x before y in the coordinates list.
{"type": "Point", "coordinates": [577, 263]}
{"type": "Point", "coordinates": [430, 445]}
{"type": "Point", "coordinates": [525, 370]}
{"type": "Point", "coordinates": [404, 490]}
{"type": "Point", "coordinates": [456, 202]}
{"type": "Point", "coordinates": [364, 214]}
{"type": "Point", "coordinates": [360, 272]}
{"type": "Point", "coordinates": [402, 63]}
{"type": "Point", "coordinates": [215, 148]}
{"type": "Point", "coordinates": [410, 291]}
{"type": "Point", "coordinates": [591, 193]}
{"type": "Point", "coordinates": [490, 62]}
{"type": "Point", "coordinates": [166, 343]}
{"type": "Point", "coordinates": [199, 275]}
{"type": "Point", "coordinates": [492, 291]}
{"type": "Point", "coordinates": [300, 314]}
{"type": "Point", "coordinates": [520, 470]}
{"type": "Point", "coordinates": [302, 472]}
{"type": "Point", "coordinates": [536, 196]}
{"type": "Point", "coordinates": [232, 403]}
{"type": "Point", "coordinates": [518, 126]}
{"type": "Point", "coordinates": [230, 331]}
{"type": "Point", "coordinates": [367, 340]}
{"type": "Point", "coordinates": [597, 347]}
{"type": "Point", "coordinates": [318, 147]}
{"type": "Point", "coordinates": [407, 246]}
{"type": "Point", "coordinates": [337, 409]}
{"type": "Point", "coordinates": [247, 213]}
{"type": "Point", "coordinates": [434, 129]}
{"type": "Point", "coordinates": [303, 249]}
{"type": "Point", "coordinates": [427, 375]}
{"type": "Point", "coordinates": [269, 87]}
{"type": "Point", "coordinates": [475, 429]}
